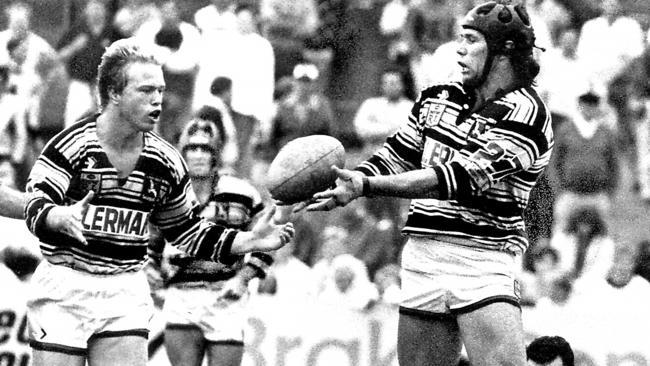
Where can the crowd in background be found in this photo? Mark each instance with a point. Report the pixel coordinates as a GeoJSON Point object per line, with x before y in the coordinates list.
{"type": "Point", "coordinates": [270, 71]}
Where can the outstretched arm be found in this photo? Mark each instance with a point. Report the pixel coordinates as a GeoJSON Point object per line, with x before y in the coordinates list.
{"type": "Point", "coordinates": [421, 183]}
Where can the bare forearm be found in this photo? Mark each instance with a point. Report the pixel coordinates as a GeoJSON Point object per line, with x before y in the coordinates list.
{"type": "Point", "coordinates": [421, 183]}
{"type": "Point", "coordinates": [12, 203]}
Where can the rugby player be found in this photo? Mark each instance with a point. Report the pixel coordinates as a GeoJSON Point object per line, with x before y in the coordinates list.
{"type": "Point", "coordinates": [468, 156]}
{"type": "Point", "coordinates": [205, 301]}
{"type": "Point", "coordinates": [91, 194]}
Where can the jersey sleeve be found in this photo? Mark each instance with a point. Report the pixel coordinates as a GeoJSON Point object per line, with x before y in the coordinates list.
{"type": "Point", "coordinates": [180, 224]}
{"type": "Point", "coordinates": [46, 186]}
{"type": "Point", "coordinates": [259, 262]}
{"type": "Point", "coordinates": [401, 152]}
{"type": "Point", "coordinates": [510, 147]}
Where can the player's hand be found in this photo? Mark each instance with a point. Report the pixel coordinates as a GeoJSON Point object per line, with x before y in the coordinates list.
{"type": "Point", "coordinates": [266, 235]}
{"type": "Point", "coordinates": [233, 289]}
{"type": "Point", "coordinates": [67, 219]}
{"type": "Point", "coordinates": [285, 212]}
{"type": "Point", "coordinates": [349, 186]}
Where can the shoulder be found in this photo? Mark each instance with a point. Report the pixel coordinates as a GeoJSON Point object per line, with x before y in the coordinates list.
{"type": "Point", "coordinates": [525, 106]}
{"type": "Point", "coordinates": [76, 137]}
{"type": "Point", "coordinates": [452, 91]}
{"type": "Point", "coordinates": [164, 155]}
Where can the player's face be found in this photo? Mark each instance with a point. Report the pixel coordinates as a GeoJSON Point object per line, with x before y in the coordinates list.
{"type": "Point", "coordinates": [141, 100]}
{"type": "Point", "coordinates": [472, 53]}
{"type": "Point", "coordinates": [199, 161]}
{"type": "Point", "coordinates": [233, 214]}
{"type": "Point", "coordinates": [391, 84]}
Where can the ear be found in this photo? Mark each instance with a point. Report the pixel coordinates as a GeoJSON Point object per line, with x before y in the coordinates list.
{"type": "Point", "coordinates": [113, 96]}
{"type": "Point", "coordinates": [509, 46]}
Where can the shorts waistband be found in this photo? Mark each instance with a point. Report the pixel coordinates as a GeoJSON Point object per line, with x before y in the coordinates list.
{"type": "Point", "coordinates": [458, 241]}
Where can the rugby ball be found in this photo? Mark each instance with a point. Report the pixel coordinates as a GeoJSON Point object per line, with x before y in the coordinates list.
{"type": "Point", "coordinates": [303, 167]}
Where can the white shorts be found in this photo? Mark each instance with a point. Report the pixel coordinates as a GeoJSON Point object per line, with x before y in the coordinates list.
{"type": "Point", "coordinates": [68, 308]}
{"type": "Point", "coordinates": [440, 278]}
{"type": "Point", "coordinates": [220, 321]}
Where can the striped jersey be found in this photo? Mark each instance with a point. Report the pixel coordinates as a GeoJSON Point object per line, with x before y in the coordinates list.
{"type": "Point", "coordinates": [486, 162]}
{"type": "Point", "coordinates": [231, 199]}
{"type": "Point", "coordinates": [115, 225]}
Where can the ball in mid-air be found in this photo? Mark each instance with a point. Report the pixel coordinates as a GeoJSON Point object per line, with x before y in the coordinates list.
{"type": "Point", "coordinates": [303, 167]}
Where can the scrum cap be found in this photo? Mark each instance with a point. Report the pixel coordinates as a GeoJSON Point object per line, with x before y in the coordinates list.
{"type": "Point", "coordinates": [499, 21]}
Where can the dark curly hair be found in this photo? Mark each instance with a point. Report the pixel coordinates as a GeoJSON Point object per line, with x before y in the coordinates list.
{"type": "Point", "coordinates": [545, 349]}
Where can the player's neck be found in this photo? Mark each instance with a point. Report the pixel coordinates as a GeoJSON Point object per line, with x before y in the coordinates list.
{"type": "Point", "coordinates": [116, 133]}
{"type": "Point", "coordinates": [499, 80]}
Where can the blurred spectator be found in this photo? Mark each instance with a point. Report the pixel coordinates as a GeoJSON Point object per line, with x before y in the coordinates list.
{"type": "Point", "coordinates": [553, 14]}
{"type": "Point", "coordinates": [13, 129]}
{"type": "Point", "coordinates": [392, 25]}
{"type": "Point", "coordinates": [549, 351]}
{"type": "Point", "coordinates": [444, 61]}
{"type": "Point", "coordinates": [289, 278]}
{"type": "Point", "coordinates": [642, 267]}
{"type": "Point", "coordinates": [218, 16]}
{"type": "Point", "coordinates": [289, 19]}
{"type": "Point", "coordinates": [630, 263]}
{"type": "Point", "coordinates": [373, 236]}
{"type": "Point", "coordinates": [335, 238]}
{"type": "Point", "coordinates": [585, 161]}
{"type": "Point", "coordinates": [550, 306]}
{"type": "Point", "coordinates": [429, 24]}
{"type": "Point", "coordinates": [180, 41]}
{"type": "Point", "coordinates": [247, 128]}
{"type": "Point", "coordinates": [304, 111]}
{"type": "Point", "coordinates": [253, 68]}
{"type": "Point", "coordinates": [388, 282]}
{"type": "Point", "coordinates": [245, 57]}
{"type": "Point", "coordinates": [132, 15]}
{"type": "Point", "coordinates": [379, 117]}
{"type": "Point", "coordinates": [587, 251]}
{"type": "Point", "coordinates": [40, 79]}
{"type": "Point", "coordinates": [538, 215]}
{"type": "Point", "coordinates": [641, 137]}
{"type": "Point", "coordinates": [601, 50]}
{"type": "Point", "coordinates": [539, 281]}
{"type": "Point", "coordinates": [286, 24]}
{"type": "Point", "coordinates": [351, 53]}
{"type": "Point", "coordinates": [347, 285]}
{"type": "Point", "coordinates": [563, 77]}
{"type": "Point", "coordinates": [81, 48]}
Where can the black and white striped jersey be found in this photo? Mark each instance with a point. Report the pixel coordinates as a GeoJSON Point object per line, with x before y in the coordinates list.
{"type": "Point", "coordinates": [115, 224]}
{"type": "Point", "coordinates": [486, 161]}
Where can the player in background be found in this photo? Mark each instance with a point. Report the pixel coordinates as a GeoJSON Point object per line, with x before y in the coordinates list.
{"type": "Point", "coordinates": [467, 156]}
{"type": "Point", "coordinates": [91, 193]}
{"type": "Point", "coordinates": [205, 302]}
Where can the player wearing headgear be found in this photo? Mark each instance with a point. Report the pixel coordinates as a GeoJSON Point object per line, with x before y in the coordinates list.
{"type": "Point", "coordinates": [205, 301]}
{"type": "Point", "coordinates": [468, 156]}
